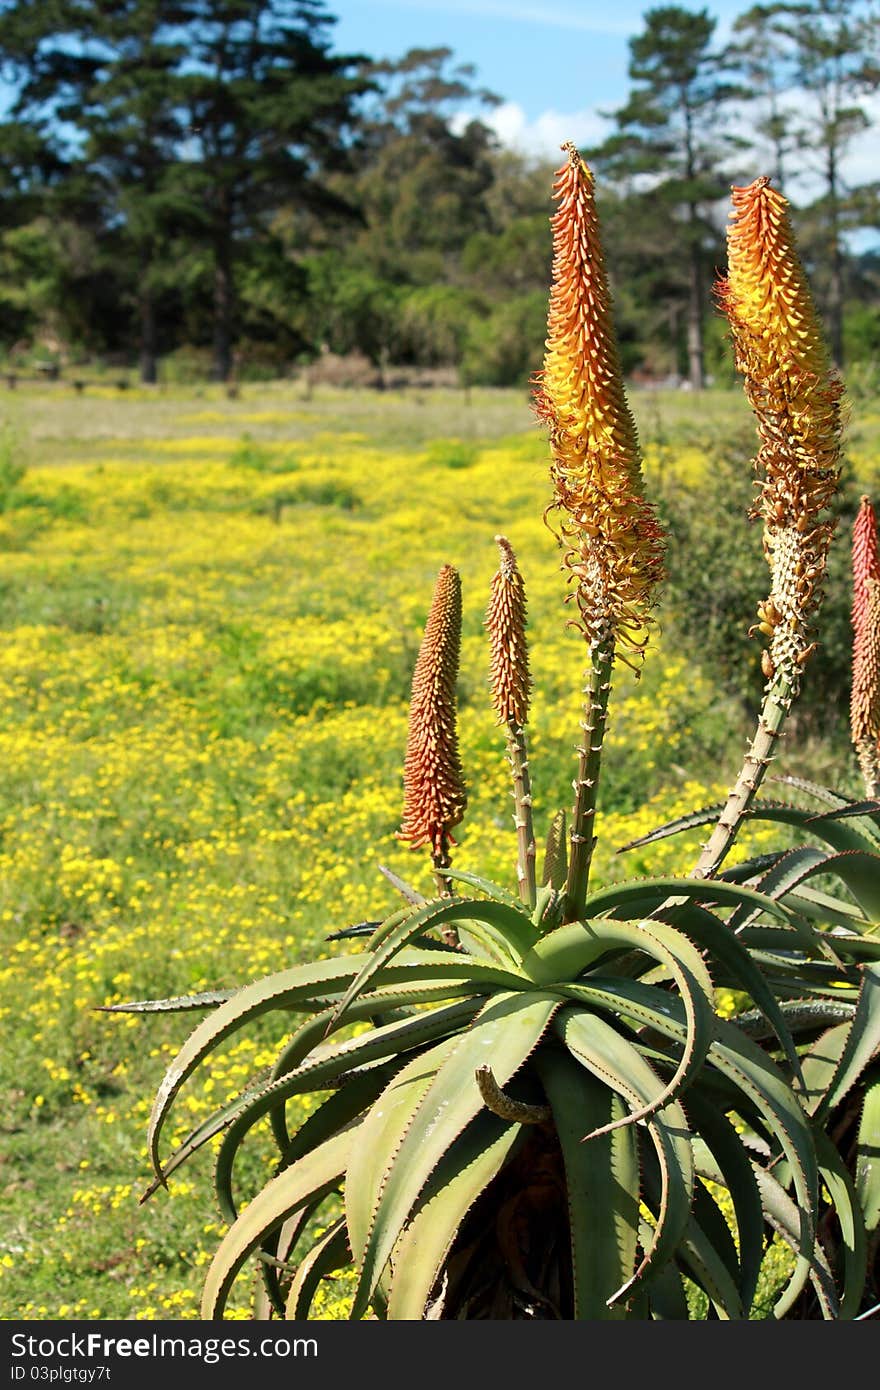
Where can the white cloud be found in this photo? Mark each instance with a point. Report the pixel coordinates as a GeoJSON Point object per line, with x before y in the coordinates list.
{"type": "Point", "coordinates": [541, 138]}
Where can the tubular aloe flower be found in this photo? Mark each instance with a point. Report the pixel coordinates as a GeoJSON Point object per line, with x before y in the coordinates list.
{"type": "Point", "coordinates": [865, 696]}
{"type": "Point", "coordinates": [616, 546]}
{"type": "Point", "coordinates": [434, 792]}
{"type": "Point", "coordinates": [795, 395]}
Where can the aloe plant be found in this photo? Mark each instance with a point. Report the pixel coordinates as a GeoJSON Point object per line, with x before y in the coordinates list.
{"type": "Point", "coordinates": [529, 1105]}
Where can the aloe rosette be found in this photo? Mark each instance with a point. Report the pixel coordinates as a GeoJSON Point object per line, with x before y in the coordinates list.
{"type": "Point", "coordinates": [595, 1043]}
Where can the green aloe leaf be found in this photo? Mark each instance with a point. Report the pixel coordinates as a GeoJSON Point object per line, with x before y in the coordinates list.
{"type": "Point", "coordinates": [654, 892]}
{"type": "Point", "coordinates": [179, 1003]}
{"type": "Point", "coordinates": [326, 1256]}
{"type": "Point", "coordinates": [463, 1173]}
{"type": "Point", "coordinates": [494, 891]}
{"type": "Point", "coordinates": [783, 1215]}
{"type": "Point", "coordinates": [721, 1156]}
{"type": "Point", "coordinates": [602, 1179]}
{"type": "Point", "coordinates": [497, 924]}
{"type": "Point", "coordinates": [836, 834]}
{"type": "Point", "coordinates": [319, 1172]}
{"type": "Point", "coordinates": [555, 871]}
{"type": "Point", "coordinates": [868, 1152]}
{"type": "Point", "coordinates": [853, 1238]}
{"type": "Point", "coordinates": [861, 1045]}
{"type": "Point", "coordinates": [383, 1128]}
{"type": "Point", "coordinates": [504, 1034]}
{"type": "Point", "coordinates": [758, 1077]}
{"type": "Point", "coordinates": [565, 952]}
{"type": "Point", "coordinates": [714, 936]}
{"type": "Point", "coordinates": [609, 1057]}
{"type": "Point", "coordinates": [330, 1065]}
{"type": "Point", "coordinates": [303, 987]}
{"type": "Point", "coordinates": [658, 1009]}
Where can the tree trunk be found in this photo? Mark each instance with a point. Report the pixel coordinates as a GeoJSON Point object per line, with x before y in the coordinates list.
{"type": "Point", "coordinates": [149, 371]}
{"type": "Point", "coordinates": [835, 287]}
{"type": "Point", "coordinates": [695, 349]}
{"type": "Point", "coordinates": [224, 293]}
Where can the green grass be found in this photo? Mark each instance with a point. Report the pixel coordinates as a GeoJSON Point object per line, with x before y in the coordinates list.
{"type": "Point", "coordinates": [210, 612]}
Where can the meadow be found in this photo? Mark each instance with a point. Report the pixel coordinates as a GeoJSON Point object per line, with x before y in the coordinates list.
{"type": "Point", "coordinates": [210, 611]}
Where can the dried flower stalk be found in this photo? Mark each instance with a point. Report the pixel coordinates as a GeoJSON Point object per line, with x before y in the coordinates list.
{"type": "Point", "coordinates": [796, 397]}
{"type": "Point", "coordinates": [614, 547]}
{"type": "Point", "coordinates": [510, 684]}
{"type": "Point", "coordinates": [435, 798]}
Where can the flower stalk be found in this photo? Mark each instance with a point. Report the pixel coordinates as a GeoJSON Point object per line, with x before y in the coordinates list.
{"type": "Point", "coordinates": [614, 546]}
{"type": "Point", "coordinates": [510, 684]}
{"type": "Point", "coordinates": [795, 396]}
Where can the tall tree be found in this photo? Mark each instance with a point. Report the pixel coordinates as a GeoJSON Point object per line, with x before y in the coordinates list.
{"type": "Point", "coordinates": [194, 116]}
{"type": "Point", "coordinates": [270, 110]}
{"type": "Point", "coordinates": [830, 48]}
{"type": "Point", "coordinates": [671, 143]}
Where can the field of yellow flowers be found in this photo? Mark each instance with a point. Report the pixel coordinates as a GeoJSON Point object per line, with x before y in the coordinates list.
{"type": "Point", "coordinates": [210, 613]}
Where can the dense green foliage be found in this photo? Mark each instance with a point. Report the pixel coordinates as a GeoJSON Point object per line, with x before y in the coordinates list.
{"type": "Point", "coordinates": [183, 195]}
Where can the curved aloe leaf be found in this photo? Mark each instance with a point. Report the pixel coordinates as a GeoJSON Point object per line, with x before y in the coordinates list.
{"type": "Point", "coordinates": [178, 1003]}
{"type": "Point", "coordinates": [504, 1033]}
{"type": "Point", "coordinates": [705, 929]}
{"type": "Point", "coordinates": [303, 987]}
{"type": "Point", "coordinates": [760, 1079]}
{"type": "Point", "coordinates": [377, 1045]}
{"type": "Point", "coordinates": [601, 1049]}
{"type": "Point", "coordinates": [320, 1172]}
{"type": "Point", "coordinates": [327, 1255]}
{"type": "Point", "coordinates": [602, 1181]}
{"type": "Point", "coordinates": [836, 834]}
{"type": "Point", "coordinates": [783, 1215]}
{"type": "Point", "coordinates": [657, 1009]}
{"type": "Point", "coordinates": [388, 1120]}
{"type": "Point", "coordinates": [463, 1173]}
{"type": "Point", "coordinates": [494, 891]}
{"type": "Point", "coordinates": [654, 893]}
{"type": "Point", "coordinates": [868, 1153]}
{"type": "Point", "coordinates": [853, 1239]}
{"type": "Point", "coordinates": [861, 1045]}
{"type": "Point", "coordinates": [721, 1157]}
{"type": "Point", "coordinates": [496, 924]}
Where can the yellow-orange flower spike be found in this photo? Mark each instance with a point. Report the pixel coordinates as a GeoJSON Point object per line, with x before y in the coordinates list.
{"type": "Point", "coordinates": [509, 678]}
{"type": "Point", "coordinates": [615, 544]}
{"type": "Point", "coordinates": [795, 394]}
{"type": "Point", "coordinates": [433, 784]}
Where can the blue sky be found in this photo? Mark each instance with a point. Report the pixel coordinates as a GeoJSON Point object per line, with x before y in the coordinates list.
{"type": "Point", "coordinates": [556, 64]}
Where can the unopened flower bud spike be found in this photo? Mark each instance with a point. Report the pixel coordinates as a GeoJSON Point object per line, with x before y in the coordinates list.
{"type": "Point", "coordinates": [510, 684]}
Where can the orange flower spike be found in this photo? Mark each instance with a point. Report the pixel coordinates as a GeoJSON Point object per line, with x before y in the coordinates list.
{"type": "Point", "coordinates": [796, 396]}
{"type": "Point", "coordinates": [434, 792]}
{"type": "Point", "coordinates": [865, 560]}
{"type": "Point", "coordinates": [509, 677]}
{"type": "Point", "coordinates": [615, 544]}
